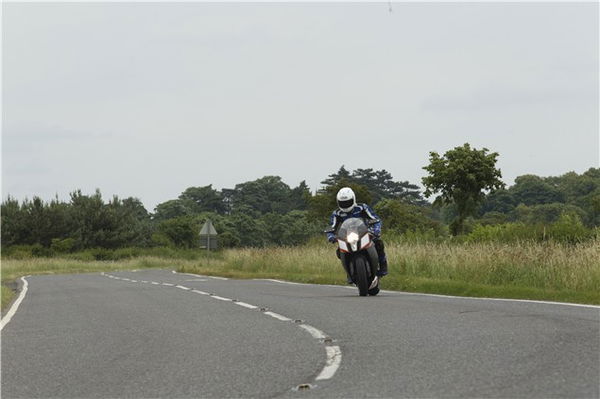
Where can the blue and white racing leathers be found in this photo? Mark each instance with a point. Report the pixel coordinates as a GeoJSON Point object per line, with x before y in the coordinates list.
{"type": "Point", "coordinates": [365, 212]}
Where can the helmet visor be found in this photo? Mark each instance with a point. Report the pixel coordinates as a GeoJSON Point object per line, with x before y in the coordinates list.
{"type": "Point", "coordinates": [345, 204]}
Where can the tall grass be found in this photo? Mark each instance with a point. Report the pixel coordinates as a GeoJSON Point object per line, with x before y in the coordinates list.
{"type": "Point", "coordinates": [528, 269]}
{"type": "Point", "coordinates": [546, 270]}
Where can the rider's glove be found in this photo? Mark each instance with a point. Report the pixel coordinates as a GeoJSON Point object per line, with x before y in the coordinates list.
{"type": "Point", "coordinates": [332, 239]}
{"type": "Point", "coordinates": [376, 232]}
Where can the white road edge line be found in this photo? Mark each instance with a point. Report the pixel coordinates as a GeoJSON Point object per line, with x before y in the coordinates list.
{"type": "Point", "coordinates": [168, 284]}
{"type": "Point", "coordinates": [218, 278]}
{"type": "Point", "coordinates": [581, 305]}
{"type": "Point", "coordinates": [277, 281]}
{"type": "Point", "coordinates": [277, 316]}
{"type": "Point", "coordinates": [200, 292]}
{"type": "Point", "coordinates": [192, 274]}
{"type": "Point", "coordinates": [182, 287]}
{"type": "Point", "coordinates": [316, 333]}
{"type": "Point", "coordinates": [13, 309]}
{"type": "Point", "coordinates": [334, 358]}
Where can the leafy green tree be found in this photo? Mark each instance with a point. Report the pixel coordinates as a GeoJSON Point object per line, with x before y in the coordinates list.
{"type": "Point", "coordinates": [533, 190]}
{"type": "Point", "coordinates": [299, 197]}
{"type": "Point", "coordinates": [380, 184]}
{"type": "Point", "coordinates": [502, 201]}
{"type": "Point", "coordinates": [115, 224]}
{"type": "Point", "coordinates": [335, 178]}
{"type": "Point", "coordinates": [293, 228]}
{"type": "Point", "coordinates": [493, 218]}
{"type": "Point", "coordinates": [299, 228]}
{"type": "Point", "coordinates": [401, 217]}
{"type": "Point", "coordinates": [251, 231]}
{"type": "Point", "coordinates": [203, 199]}
{"type": "Point", "coordinates": [322, 204]}
{"type": "Point", "coordinates": [171, 209]}
{"type": "Point", "coordinates": [546, 213]}
{"type": "Point", "coordinates": [14, 225]}
{"type": "Point", "coordinates": [267, 194]}
{"type": "Point", "coordinates": [91, 220]}
{"type": "Point", "coordinates": [180, 232]}
{"type": "Point", "coordinates": [460, 177]}
{"type": "Point", "coordinates": [130, 223]}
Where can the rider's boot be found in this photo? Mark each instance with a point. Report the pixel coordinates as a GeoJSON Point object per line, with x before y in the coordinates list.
{"type": "Point", "coordinates": [383, 269]}
{"type": "Point", "coordinates": [349, 279]}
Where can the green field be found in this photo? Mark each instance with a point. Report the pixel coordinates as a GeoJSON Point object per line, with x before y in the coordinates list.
{"type": "Point", "coordinates": [527, 270]}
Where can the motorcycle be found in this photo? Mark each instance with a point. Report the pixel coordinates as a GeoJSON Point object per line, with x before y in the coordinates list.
{"type": "Point", "coordinates": [358, 254]}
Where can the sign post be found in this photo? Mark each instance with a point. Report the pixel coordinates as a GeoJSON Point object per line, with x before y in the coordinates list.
{"type": "Point", "coordinates": [208, 236]}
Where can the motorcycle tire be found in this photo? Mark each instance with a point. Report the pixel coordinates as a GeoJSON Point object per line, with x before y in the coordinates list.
{"type": "Point", "coordinates": [360, 270]}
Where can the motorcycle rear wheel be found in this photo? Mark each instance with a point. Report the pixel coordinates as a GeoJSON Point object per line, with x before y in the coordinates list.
{"type": "Point", "coordinates": [360, 270]}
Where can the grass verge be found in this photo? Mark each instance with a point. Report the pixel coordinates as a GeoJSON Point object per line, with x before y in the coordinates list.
{"type": "Point", "coordinates": [527, 270]}
{"type": "Point", "coordinates": [12, 269]}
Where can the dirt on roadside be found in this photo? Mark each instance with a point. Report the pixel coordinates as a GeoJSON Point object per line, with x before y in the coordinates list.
{"type": "Point", "coordinates": [15, 286]}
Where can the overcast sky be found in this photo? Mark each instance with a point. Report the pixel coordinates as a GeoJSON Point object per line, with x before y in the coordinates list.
{"type": "Point", "coordinates": [146, 100]}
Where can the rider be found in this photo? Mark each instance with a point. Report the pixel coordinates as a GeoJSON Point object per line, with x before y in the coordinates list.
{"type": "Point", "coordinates": [348, 208]}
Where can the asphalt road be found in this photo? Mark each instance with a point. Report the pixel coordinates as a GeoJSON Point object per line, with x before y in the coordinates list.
{"type": "Point", "coordinates": [154, 333]}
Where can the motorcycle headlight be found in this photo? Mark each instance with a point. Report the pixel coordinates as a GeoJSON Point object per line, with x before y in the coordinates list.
{"type": "Point", "coordinates": [352, 238]}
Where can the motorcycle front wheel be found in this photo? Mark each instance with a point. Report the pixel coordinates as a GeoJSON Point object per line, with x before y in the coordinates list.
{"type": "Point", "coordinates": [360, 270]}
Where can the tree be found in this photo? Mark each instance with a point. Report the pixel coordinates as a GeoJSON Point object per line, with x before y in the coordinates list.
{"type": "Point", "coordinates": [499, 201]}
{"type": "Point", "coordinates": [533, 190]}
{"type": "Point", "coordinates": [322, 204]}
{"type": "Point", "coordinates": [380, 184]}
{"type": "Point", "coordinates": [203, 199]}
{"type": "Point", "coordinates": [180, 232]}
{"type": "Point", "coordinates": [401, 217]}
{"type": "Point", "coordinates": [299, 197]}
{"type": "Point", "coordinates": [267, 194]}
{"type": "Point", "coordinates": [171, 209]}
{"type": "Point", "coordinates": [460, 177]}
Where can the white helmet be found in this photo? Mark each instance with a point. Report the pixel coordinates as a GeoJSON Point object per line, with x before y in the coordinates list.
{"type": "Point", "coordinates": [346, 199]}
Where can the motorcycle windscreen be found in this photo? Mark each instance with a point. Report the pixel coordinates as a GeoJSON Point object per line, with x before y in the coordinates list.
{"type": "Point", "coordinates": [352, 225]}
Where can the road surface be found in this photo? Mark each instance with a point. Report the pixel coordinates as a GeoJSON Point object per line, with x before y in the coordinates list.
{"type": "Point", "coordinates": [154, 333]}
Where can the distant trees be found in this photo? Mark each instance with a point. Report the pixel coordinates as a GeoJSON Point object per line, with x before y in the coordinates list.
{"type": "Point", "coordinates": [460, 177]}
{"type": "Point", "coordinates": [535, 199]}
{"type": "Point", "coordinates": [379, 183]}
{"type": "Point", "coordinates": [401, 217]}
{"type": "Point", "coordinates": [84, 222]}
{"type": "Point", "coordinates": [267, 211]}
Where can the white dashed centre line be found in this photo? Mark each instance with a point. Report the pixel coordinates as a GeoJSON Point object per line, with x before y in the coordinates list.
{"type": "Point", "coordinates": [316, 333]}
{"type": "Point", "coordinates": [277, 316]}
{"type": "Point", "coordinates": [334, 354]}
{"type": "Point", "coordinates": [220, 298]}
{"type": "Point", "coordinates": [246, 305]}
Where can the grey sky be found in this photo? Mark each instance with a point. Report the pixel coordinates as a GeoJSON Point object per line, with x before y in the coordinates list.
{"type": "Point", "coordinates": [146, 100]}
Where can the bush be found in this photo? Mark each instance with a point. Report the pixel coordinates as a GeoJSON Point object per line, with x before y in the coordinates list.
{"type": "Point", "coordinates": [567, 229]}
{"type": "Point", "coordinates": [39, 251]}
{"type": "Point", "coordinates": [401, 217]}
{"type": "Point", "coordinates": [17, 252]}
{"type": "Point", "coordinates": [62, 246]}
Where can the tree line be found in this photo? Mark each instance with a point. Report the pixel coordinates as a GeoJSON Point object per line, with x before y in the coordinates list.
{"type": "Point", "coordinates": [267, 211]}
